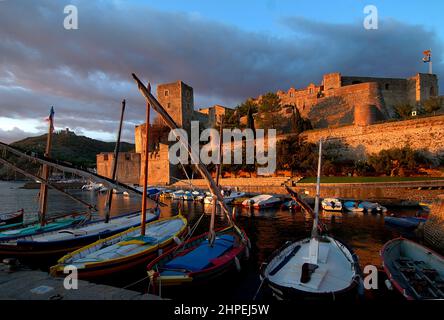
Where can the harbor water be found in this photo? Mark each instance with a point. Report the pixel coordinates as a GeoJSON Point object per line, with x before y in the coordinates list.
{"type": "Point", "coordinates": [267, 229]}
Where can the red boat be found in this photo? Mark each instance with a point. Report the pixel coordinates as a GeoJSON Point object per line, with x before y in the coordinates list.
{"type": "Point", "coordinates": [197, 260]}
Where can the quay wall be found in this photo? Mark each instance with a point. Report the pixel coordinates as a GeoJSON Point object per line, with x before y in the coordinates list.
{"type": "Point", "coordinates": [395, 193]}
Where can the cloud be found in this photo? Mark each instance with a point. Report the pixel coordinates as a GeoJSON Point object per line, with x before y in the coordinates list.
{"type": "Point", "coordinates": [85, 73]}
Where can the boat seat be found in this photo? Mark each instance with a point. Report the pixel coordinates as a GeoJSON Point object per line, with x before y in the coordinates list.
{"type": "Point", "coordinates": [137, 240]}
{"type": "Point", "coordinates": [200, 257]}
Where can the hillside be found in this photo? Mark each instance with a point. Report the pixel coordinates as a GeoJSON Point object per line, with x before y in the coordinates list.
{"type": "Point", "coordinates": [67, 146]}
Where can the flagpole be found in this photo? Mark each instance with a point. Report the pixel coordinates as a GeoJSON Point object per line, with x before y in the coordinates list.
{"type": "Point", "coordinates": [43, 197]}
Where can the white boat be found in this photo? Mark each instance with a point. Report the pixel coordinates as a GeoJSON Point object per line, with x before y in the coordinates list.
{"type": "Point", "coordinates": [353, 206]}
{"type": "Point", "coordinates": [262, 201]}
{"type": "Point", "coordinates": [92, 186]}
{"type": "Point", "coordinates": [227, 198]}
{"type": "Point", "coordinates": [319, 267]}
{"type": "Point", "coordinates": [188, 196]}
{"type": "Point", "coordinates": [177, 195]}
{"type": "Point", "coordinates": [331, 204]}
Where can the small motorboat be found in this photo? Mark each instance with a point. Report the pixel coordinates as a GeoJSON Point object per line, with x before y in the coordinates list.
{"type": "Point", "coordinates": [177, 195]}
{"type": "Point", "coordinates": [353, 206]}
{"type": "Point", "coordinates": [262, 201]}
{"type": "Point", "coordinates": [373, 207]}
{"type": "Point", "coordinates": [228, 198]}
{"type": "Point", "coordinates": [290, 205]}
{"type": "Point", "coordinates": [123, 251]}
{"type": "Point", "coordinates": [92, 186]}
{"type": "Point", "coordinates": [414, 270]}
{"type": "Point", "coordinates": [331, 204]}
{"type": "Point", "coordinates": [197, 261]}
{"type": "Point", "coordinates": [408, 223]}
{"type": "Point", "coordinates": [11, 217]}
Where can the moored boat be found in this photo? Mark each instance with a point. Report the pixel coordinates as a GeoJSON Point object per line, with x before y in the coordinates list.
{"type": "Point", "coordinates": [331, 204]}
{"type": "Point", "coordinates": [11, 217]}
{"type": "Point", "coordinates": [415, 271]}
{"type": "Point", "coordinates": [409, 223]}
{"type": "Point", "coordinates": [60, 242]}
{"type": "Point", "coordinates": [373, 207]}
{"type": "Point", "coordinates": [37, 228]}
{"type": "Point", "coordinates": [196, 261]}
{"type": "Point", "coordinates": [353, 206]}
{"type": "Point", "coordinates": [319, 267]}
{"type": "Point", "coordinates": [124, 251]}
{"type": "Point", "coordinates": [262, 201]}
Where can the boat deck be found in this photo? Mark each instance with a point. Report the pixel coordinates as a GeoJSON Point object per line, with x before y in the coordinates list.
{"type": "Point", "coordinates": [334, 272]}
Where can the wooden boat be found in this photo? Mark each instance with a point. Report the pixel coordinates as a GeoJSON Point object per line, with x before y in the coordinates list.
{"type": "Point", "coordinates": [34, 229]}
{"type": "Point", "coordinates": [331, 204]}
{"type": "Point", "coordinates": [319, 267]}
{"type": "Point", "coordinates": [353, 206]}
{"type": "Point", "coordinates": [60, 242]}
{"type": "Point", "coordinates": [262, 201]}
{"type": "Point", "coordinates": [124, 251]}
{"type": "Point", "coordinates": [409, 223]}
{"type": "Point", "coordinates": [415, 271]}
{"type": "Point", "coordinates": [11, 218]}
{"type": "Point", "coordinates": [196, 261]}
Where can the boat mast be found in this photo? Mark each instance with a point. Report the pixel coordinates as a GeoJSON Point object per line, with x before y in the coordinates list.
{"type": "Point", "coordinates": [314, 232]}
{"type": "Point", "coordinates": [196, 161]}
{"type": "Point", "coordinates": [43, 196]}
{"type": "Point", "coordinates": [212, 234]}
{"type": "Point", "coordinates": [314, 242]}
{"type": "Point", "coordinates": [145, 165]}
{"type": "Point", "coordinates": [115, 163]}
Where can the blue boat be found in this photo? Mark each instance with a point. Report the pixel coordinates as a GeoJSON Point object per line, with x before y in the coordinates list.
{"type": "Point", "coordinates": [409, 223]}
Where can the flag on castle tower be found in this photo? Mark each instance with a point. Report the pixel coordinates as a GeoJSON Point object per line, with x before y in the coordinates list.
{"type": "Point", "coordinates": [427, 56]}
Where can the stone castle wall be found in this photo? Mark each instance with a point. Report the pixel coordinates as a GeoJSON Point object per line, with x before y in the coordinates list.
{"type": "Point", "coordinates": [127, 166]}
{"type": "Point", "coordinates": [357, 142]}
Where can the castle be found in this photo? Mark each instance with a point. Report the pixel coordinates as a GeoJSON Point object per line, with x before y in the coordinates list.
{"type": "Point", "coordinates": [337, 101]}
{"type": "Point", "coordinates": [341, 100]}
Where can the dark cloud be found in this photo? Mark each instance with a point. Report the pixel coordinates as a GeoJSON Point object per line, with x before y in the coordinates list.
{"type": "Point", "coordinates": [14, 134]}
{"type": "Point", "coordinates": [85, 73]}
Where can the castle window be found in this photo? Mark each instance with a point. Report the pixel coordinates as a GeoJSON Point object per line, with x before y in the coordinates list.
{"type": "Point", "coordinates": [188, 94]}
{"type": "Point", "coordinates": [387, 86]}
{"type": "Point", "coordinates": [188, 106]}
{"type": "Point", "coordinates": [168, 105]}
{"type": "Point", "coordinates": [291, 94]}
{"type": "Point", "coordinates": [311, 90]}
{"type": "Point", "coordinates": [127, 156]}
{"type": "Point", "coordinates": [105, 157]}
{"type": "Point", "coordinates": [166, 93]}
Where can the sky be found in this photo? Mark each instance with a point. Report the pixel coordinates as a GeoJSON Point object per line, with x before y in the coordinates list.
{"type": "Point", "coordinates": [226, 50]}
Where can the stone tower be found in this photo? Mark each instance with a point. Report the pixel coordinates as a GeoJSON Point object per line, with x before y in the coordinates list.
{"type": "Point", "coordinates": [177, 99]}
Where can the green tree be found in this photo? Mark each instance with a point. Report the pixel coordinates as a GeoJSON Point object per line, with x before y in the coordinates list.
{"type": "Point", "coordinates": [433, 104]}
{"type": "Point", "coordinates": [269, 102]}
{"type": "Point", "coordinates": [403, 110]}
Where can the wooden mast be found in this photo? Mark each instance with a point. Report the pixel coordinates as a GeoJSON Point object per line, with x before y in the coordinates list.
{"type": "Point", "coordinates": [115, 163]}
{"type": "Point", "coordinates": [145, 165]}
{"type": "Point", "coordinates": [43, 196]}
{"type": "Point", "coordinates": [172, 125]}
{"type": "Point", "coordinates": [212, 234]}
